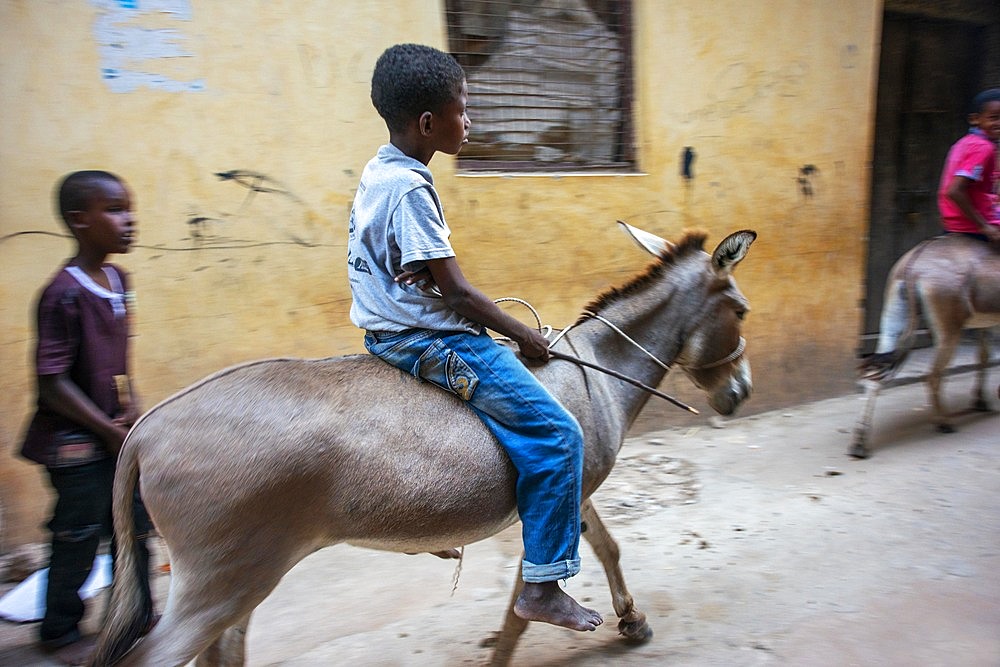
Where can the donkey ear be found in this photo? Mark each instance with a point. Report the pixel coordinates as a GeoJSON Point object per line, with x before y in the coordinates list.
{"type": "Point", "coordinates": [732, 250]}
{"type": "Point", "coordinates": [651, 243]}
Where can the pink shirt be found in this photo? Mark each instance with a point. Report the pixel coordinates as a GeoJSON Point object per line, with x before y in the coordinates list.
{"type": "Point", "coordinates": [973, 156]}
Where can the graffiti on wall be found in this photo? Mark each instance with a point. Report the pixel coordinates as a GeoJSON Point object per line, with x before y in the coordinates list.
{"type": "Point", "coordinates": [262, 211]}
{"type": "Point", "coordinates": [255, 211]}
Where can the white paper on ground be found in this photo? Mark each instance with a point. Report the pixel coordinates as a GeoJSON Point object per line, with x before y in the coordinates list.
{"type": "Point", "coordinates": [26, 601]}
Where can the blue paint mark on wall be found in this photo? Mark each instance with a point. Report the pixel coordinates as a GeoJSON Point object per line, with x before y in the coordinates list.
{"type": "Point", "coordinates": [133, 55]}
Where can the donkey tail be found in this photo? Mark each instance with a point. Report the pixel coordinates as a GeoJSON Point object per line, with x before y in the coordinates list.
{"type": "Point", "coordinates": [882, 366]}
{"type": "Point", "coordinates": [130, 611]}
{"type": "Point", "coordinates": [898, 324]}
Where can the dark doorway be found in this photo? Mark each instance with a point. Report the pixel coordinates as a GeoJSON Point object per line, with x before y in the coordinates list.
{"type": "Point", "coordinates": [928, 72]}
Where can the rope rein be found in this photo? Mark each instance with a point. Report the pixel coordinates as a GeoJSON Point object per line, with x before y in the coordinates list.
{"type": "Point", "coordinates": [546, 331]}
{"type": "Point", "coordinates": [624, 335]}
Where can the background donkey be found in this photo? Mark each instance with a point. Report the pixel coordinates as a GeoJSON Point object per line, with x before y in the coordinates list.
{"type": "Point", "coordinates": [954, 281]}
{"type": "Point", "coordinates": [250, 470]}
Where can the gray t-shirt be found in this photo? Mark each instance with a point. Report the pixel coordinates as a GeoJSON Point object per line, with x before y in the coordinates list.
{"type": "Point", "coordinates": [397, 223]}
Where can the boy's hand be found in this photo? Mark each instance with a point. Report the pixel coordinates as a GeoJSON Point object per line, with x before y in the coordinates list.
{"type": "Point", "coordinates": [64, 397]}
{"type": "Point", "coordinates": [131, 414]}
{"type": "Point", "coordinates": [993, 234]}
{"type": "Point", "coordinates": [115, 437]}
{"type": "Point", "coordinates": [534, 347]}
{"type": "Point", "coordinates": [422, 278]}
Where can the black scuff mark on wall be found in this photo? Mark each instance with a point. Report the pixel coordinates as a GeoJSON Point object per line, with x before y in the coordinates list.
{"type": "Point", "coordinates": [255, 182]}
{"type": "Point", "coordinates": [687, 163]}
{"type": "Point", "coordinates": [807, 176]}
{"type": "Point", "coordinates": [268, 208]}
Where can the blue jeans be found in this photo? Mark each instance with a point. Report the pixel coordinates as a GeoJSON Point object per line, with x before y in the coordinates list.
{"type": "Point", "coordinates": [542, 439]}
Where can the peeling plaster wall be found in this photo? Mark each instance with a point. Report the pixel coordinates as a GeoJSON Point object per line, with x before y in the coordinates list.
{"type": "Point", "coordinates": [242, 129]}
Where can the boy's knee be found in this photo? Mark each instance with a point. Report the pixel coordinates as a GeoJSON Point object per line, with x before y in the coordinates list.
{"type": "Point", "coordinates": [572, 443]}
{"type": "Point", "coordinates": [574, 433]}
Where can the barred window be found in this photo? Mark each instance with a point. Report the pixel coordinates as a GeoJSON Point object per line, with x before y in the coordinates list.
{"type": "Point", "coordinates": [550, 83]}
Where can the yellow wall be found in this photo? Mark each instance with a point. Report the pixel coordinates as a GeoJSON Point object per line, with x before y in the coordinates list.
{"type": "Point", "coordinates": [759, 89]}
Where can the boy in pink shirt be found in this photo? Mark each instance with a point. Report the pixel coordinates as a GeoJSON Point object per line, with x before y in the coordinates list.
{"type": "Point", "coordinates": [967, 196]}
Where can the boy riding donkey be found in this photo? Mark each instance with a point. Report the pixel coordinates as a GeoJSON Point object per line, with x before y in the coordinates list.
{"type": "Point", "coordinates": [968, 204]}
{"type": "Point", "coordinates": [422, 316]}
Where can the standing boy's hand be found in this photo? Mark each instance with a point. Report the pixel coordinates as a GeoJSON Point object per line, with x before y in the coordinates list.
{"type": "Point", "coordinates": [130, 416]}
{"type": "Point", "coordinates": [65, 398]}
{"type": "Point", "coordinates": [114, 438]}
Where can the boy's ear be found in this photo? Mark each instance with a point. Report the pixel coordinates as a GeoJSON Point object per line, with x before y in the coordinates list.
{"type": "Point", "coordinates": [424, 123]}
{"type": "Point", "coordinates": [75, 220]}
{"type": "Point", "coordinates": [974, 118]}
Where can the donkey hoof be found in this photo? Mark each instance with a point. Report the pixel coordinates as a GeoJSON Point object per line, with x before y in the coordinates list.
{"type": "Point", "coordinates": [859, 449]}
{"type": "Point", "coordinates": [635, 632]}
{"type": "Point", "coordinates": [979, 405]}
{"type": "Point", "coordinates": [945, 428]}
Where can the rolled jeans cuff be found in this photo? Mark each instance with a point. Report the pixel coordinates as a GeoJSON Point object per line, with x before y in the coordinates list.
{"type": "Point", "coordinates": [536, 574]}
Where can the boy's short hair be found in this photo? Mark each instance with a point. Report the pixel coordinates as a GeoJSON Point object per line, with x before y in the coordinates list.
{"type": "Point", "coordinates": [410, 79]}
{"type": "Point", "coordinates": [76, 189]}
{"type": "Point", "coordinates": [984, 98]}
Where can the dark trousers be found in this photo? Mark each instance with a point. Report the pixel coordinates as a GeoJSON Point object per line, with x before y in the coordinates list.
{"type": "Point", "coordinates": [81, 518]}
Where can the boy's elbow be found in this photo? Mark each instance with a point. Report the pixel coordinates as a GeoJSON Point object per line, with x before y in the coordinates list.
{"type": "Point", "coordinates": [47, 383]}
{"type": "Point", "coordinates": [49, 388]}
{"type": "Point", "coordinates": [459, 300]}
{"type": "Point", "coordinates": [456, 300]}
{"type": "Point", "coordinates": [956, 190]}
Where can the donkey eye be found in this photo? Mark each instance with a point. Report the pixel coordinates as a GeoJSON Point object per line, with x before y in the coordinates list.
{"type": "Point", "coordinates": [741, 313]}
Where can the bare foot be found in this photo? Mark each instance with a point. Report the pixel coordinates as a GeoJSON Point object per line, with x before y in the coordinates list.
{"type": "Point", "coordinates": [446, 554]}
{"type": "Point", "coordinates": [546, 602]}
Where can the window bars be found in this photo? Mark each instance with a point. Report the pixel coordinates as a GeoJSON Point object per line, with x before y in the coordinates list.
{"type": "Point", "coordinates": [550, 83]}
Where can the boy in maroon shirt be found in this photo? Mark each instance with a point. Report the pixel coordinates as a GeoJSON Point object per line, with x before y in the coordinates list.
{"type": "Point", "coordinates": [85, 403]}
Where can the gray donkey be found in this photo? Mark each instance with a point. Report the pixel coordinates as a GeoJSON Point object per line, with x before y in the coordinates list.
{"type": "Point", "coordinates": [255, 467]}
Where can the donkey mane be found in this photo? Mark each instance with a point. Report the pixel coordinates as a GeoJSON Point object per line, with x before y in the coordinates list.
{"type": "Point", "coordinates": [693, 241]}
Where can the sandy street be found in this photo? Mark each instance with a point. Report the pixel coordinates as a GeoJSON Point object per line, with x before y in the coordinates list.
{"type": "Point", "coordinates": [761, 543]}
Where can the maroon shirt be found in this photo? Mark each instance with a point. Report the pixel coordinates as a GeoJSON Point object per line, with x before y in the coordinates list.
{"type": "Point", "coordinates": [83, 331]}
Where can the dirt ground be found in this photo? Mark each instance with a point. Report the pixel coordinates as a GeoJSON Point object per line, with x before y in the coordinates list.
{"type": "Point", "coordinates": [760, 543]}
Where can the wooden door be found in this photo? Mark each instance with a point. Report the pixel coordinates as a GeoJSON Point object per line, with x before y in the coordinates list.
{"type": "Point", "coordinates": [928, 74]}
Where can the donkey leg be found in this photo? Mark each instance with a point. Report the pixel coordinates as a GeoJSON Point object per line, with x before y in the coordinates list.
{"type": "Point", "coordinates": [632, 622]}
{"type": "Point", "coordinates": [513, 627]}
{"type": "Point", "coordinates": [201, 610]}
{"type": "Point", "coordinates": [979, 402]}
{"type": "Point", "coordinates": [176, 640]}
{"type": "Point", "coordinates": [229, 650]}
{"type": "Point", "coordinates": [946, 344]}
{"type": "Point", "coordinates": [859, 448]}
